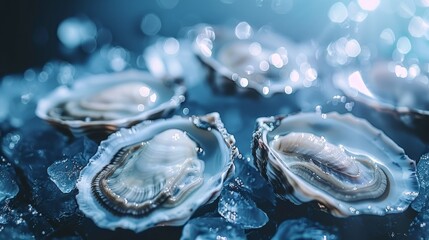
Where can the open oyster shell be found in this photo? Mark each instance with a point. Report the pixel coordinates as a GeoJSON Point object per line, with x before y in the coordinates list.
{"type": "Point", "coordinates": [103, 103]}
{"type": "Point", "coordinates": [387, 86]}
{"type": "Point", "coordinates": [156, 173]}
{"type": "Point", "coordinates": [244, 60]}
{"type": "Point", "coordinates": [340, 161]}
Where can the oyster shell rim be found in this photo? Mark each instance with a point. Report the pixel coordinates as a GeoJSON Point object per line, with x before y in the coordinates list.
{"type": "Point", "coordinates": [79, 127]}
{"type": "Point", "coordinates": [99, 214]}
{"type": "Point", "coordinates": [336, 207]}
{"type": "Point", "coordinates": [274, 40]}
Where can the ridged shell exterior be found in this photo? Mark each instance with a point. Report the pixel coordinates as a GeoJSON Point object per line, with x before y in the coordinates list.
{"type": "Point", "coordinates": [113, 111]}
{"type": "Point", "coordinates": [356, 136]}
{"type": "Point", "coordinates": [209, 134]}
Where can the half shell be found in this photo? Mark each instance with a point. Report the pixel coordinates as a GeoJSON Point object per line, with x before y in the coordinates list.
{"type": "Point", "coordinates": [387, 86]}
{"type": "Point", "coordinates": [261, 61]}
{"type": "Point", "coordinates": [156, 173]}
{"type": "Point", "coordinates": [106, 102]}
{"type": "Point", "coordinates": [342, 162]}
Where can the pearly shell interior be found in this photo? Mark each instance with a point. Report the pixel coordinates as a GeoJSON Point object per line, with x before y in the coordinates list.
{"type": "Point", "coordinates": [141, 177]}
{"type": "Point", "coordinates": [184, 193]}
{"type": "Point", "coordinates": [367, 146]}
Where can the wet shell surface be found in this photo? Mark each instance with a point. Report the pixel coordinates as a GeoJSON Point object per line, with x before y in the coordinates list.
{"type": "Point", "coordinates": [106, 102]}
{"type": "Point", "coordinates": [258, 60]}
{"type": "Point", "coordinates": [388, 86]}
{"type": "Point", "coordinates": [342, 162]}
{"type": "Point", "coordinates": [156, 173]}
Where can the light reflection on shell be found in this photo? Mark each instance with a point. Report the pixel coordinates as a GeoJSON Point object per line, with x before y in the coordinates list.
{"type": "Point", "coordinates": [387, 86]}
{"type": "Point", "coordinates": [106, 102]}
{"type": "Point", "coordinates": [153, 173]}
{"type": "Point", "coordinates": [260, 61]}
{"type": "Point", "coordinates": [340, 161]}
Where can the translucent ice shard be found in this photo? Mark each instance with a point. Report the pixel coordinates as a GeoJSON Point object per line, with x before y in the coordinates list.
{"type": "Point", "coordinates": [64, 173]}
{"type": "Point", "coordinates": [422, 173]}
{"type": "Point", "coordinates": [13, 224]}
{"type": "Point", "coordinates": [238, 208]}
{"type": "Point", "coordinates": [249, 179]}
{"type": "Point", "coordinates": [8, 186]}
{"type": "Point", "coordinates": [304, 229]}
{"type": "Point", "coordinates": [208, 228]}
{"type": "Point", "coordinates": [419, 227]}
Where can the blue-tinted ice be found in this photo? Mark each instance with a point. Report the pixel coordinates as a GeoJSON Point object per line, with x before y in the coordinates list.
{"type": "Point", "coordinates": [237, 200]}
{"type": "Point", "coordinates": [419, 228]}
{"type": "Point", "coordinates": [209, 228]}
{"type": "Point", "coordinates": [421, 200]}
{"type": "Point", "coordinates": [238, 207]}
{"type": "Point", "coordinates": [303, 228]}
{"type": "Point", "coordinates": [13, 224]}
{"type": "Point", "coordinates": [64, 173]}
{"type": "Point", "coordinates": [40, 200]}
{"type": "Point", "coordinates": [8, 185]}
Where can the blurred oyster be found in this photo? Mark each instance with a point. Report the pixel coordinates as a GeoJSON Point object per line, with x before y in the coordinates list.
{"type": "Point", "coordinates": [399, 88]}
{"type": "Point", "coordinates": [262, 61]}
{"type": "Point", "coordinates": [106, 102]}
{"type": "Point", "coordinates": [342, 162]}
{"type": "Point", "coordinates": [156, 173]}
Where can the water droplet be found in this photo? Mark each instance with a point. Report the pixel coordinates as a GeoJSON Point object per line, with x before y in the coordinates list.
{"type": "Point", "coordinates": [73, 32]}
{"type": "Point", "coordinates": [29, 74]}
{"type": "Point", "coordinates": [368, 5]}
{"type": "Point", "coordinates": [255, 48]}
{"type": "Point", "coordinates": [288, 89]}
{"type": "Point", "coordinates": [151, 24]}
{"type": "Point", "coordinates": [418, 27]}
{"type": "Point", "coordinates": [352, 48]}
{"type": "Point", "coordinates": [243, 30]}
{"type": "Point", "coordinates": [403, 45]}
{"type": "Point", "coordinates": [388, 36]}
{"type": "Point", "coordinates": [265, 90]}
{"type": "Point", "coordinates": [355, 12]}
{"type": "Point", "coordinates": [171, 46]}
{"type": "Point", "coordinates": [185, 111]}
{"type": "Point", "coordinates": [338, 12]}
{"type": "Point", "coordinates": [244, 82]}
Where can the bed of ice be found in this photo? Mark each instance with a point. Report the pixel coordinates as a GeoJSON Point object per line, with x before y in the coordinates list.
{"type": "Point", "coordinates": [39, 165]}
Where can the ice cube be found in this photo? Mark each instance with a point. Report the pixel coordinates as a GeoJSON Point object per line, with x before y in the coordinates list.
{"type": "Point", "coordinates": [64, 173]}
{"type": "Point", "coordinates": [238, 208]}
{"type": "Point", "coordinates": [208, 228]}
{"type": "Point", "coordinates": [422, 174]}
{"type": "Point", "coordinates": [304, 228]}
{"type": "Point", "coordinates": [8, 185]}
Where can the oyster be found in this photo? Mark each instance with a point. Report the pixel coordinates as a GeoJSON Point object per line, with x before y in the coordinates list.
{"type": "Point", "coordinates": [156, 173]}
{"type": "Point", "coordinates": [260, 61]}
{"type": "Point", "coordinates": [387, 86]}
{"type": "Point", "coordinates": [342, 162]}
{"type": "Point", "coordinates": [106, 102]}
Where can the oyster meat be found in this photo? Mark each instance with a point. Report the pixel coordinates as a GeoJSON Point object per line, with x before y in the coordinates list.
{"type": "Point", "coordinates": [145, 175]}
{"type": "Point", "coordinates": [106, 102]}
{"type": "Point", "coordinates": [156, 173]}
{"type": "Point", "coordinates": [342, 162]}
